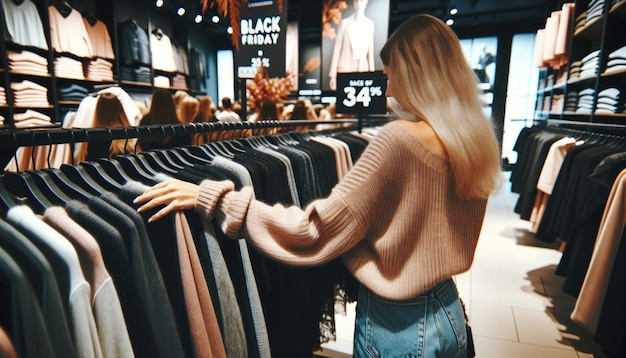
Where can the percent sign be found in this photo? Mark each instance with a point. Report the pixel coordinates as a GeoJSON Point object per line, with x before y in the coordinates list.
{"type": "Point", "coordinates": [376, 92]}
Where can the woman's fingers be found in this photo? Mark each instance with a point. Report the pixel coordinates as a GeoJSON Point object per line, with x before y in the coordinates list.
{"type": "Point", "coordinates": [172, 194]}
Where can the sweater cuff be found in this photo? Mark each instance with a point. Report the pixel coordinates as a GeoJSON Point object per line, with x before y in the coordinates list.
{"type": "Point", "coordinates": [209, 194]}
{"type": "Point", "coordinates": [232, 212]}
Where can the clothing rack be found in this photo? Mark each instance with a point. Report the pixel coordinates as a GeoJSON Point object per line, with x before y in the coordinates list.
{"type": "Point", "coordinates": [15, 138]}
{"type": "Point", "coordinates": [86, 185]}
{"type": "Point", "coordinates": [613, 127]}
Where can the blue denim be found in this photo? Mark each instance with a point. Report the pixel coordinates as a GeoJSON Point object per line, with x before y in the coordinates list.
{"type": "Point", "coordinates": [429, 325]}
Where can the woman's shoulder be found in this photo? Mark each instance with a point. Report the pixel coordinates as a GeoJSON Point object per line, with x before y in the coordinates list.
{"type": "Point", "coordinates": [414, 134]}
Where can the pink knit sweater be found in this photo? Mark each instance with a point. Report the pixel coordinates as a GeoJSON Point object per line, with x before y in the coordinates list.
{"type": "Point", "coordinates": [395, 219]}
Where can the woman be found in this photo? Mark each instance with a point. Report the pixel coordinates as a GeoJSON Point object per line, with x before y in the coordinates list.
{"type": "Point", "coordinates": [206, 110]}
{"type": "Point", "coordinates": [162, 112]}
{"type": "Point", "coordinates": [188, 109]}
{"type": "Point", "coordinates": [268, 111]}
{"type": "Point", "coordinates": [405, 219]}
{"type": "Point", "coordinates": [109, 113]}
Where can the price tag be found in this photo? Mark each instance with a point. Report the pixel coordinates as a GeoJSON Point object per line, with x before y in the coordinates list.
{"type": "Point", "coordinates": [361, 93]}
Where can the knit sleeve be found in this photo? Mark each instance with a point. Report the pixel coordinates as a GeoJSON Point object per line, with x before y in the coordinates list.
{"type": "Point", "coordinates": [323, 230]}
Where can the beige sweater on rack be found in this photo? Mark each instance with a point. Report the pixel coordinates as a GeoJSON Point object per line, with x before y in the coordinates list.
{"type": "Point", "coordinates": [395, 219]}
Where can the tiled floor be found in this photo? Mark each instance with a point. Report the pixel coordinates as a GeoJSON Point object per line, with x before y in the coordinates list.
{"type": "Point", "coordinates": [514, 300]}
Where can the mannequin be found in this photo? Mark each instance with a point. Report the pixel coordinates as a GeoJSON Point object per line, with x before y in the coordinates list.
{"type": "Point", "coordinates": [354, 45]}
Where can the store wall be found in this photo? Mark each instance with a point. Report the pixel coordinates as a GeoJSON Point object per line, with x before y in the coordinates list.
{"type": "Point", "coordinates": [206, 37]}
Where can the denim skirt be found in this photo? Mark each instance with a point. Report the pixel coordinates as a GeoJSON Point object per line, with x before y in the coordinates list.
{"type": "Point", "coordinates": [429, 325]}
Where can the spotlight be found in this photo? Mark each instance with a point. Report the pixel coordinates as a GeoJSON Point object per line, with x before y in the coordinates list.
{"type": "Point", "coordinates": [454, 10]}
{"type": "Point", "coordinates": [215, 19]}
{"type": "Point", "coordinates": [198, 19]}
{"type": "Point", "coordinates": [450, 22]}
{"type": "Point", "coordinates": [159, 3]}
{"type": "Point", "coordinates": [229, 30]}
{"type": "Point", "coordinates": [180, 11]}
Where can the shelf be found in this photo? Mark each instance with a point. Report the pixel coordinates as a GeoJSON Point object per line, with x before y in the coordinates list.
{"type": "Point", "coordinates": [581, 80]}
{"type": "Point", "coordinates": [619, 9]}
{"type": "Point", "coordinates": [69, 103]}
{"type": "Point", "coordinates": [33, 107]}
{"type": "Point", "coordinates": [18, 73]}
{"type": "Point", "coordinates": [138, 84]}
{"type": "Point", "coordinates": [592, 30]}
{"type": "Point", "coordinates": [576, 114]}
{"type": "Point", "coordinates": [614, 73]}
{"type": "Point", "coordinates": [613, 115]}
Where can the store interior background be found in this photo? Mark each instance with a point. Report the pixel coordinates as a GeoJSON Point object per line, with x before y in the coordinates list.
{"type": "Point", "coordinates": [510, 25]}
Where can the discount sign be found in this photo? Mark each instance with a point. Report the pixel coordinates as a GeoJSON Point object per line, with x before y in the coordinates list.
{"type": "Point", "coordinates": [361, 93]}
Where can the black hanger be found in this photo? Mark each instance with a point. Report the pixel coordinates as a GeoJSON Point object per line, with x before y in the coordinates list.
{"type": "Point", "coordinates": [64, 8]}
{"type": "Point", "coordinates": [158, 33]}
{"type": "Point", "coordinates": [91, 19]}
{"type": "Point", "coordinates": [77, 175]}
{"type": "Point", "coordinates": [22, 184]}
{"type": "Point", "coordinates": [114, 169]}
{"type": "Point", "coordinates": [154, 163]}
{"type": "Point", "coordinates": [221, 149]}
{"type": "Point", "coordinates": [136, 169]}
{"type": "Point", "coordinates": [202, 151]}
{"type": "Point", "coordinates": [7, 200]}
{"type": "Point", "coordinates": [174, 157]}
{"type": "Point", "coordinates": [64, 183]}
{"type": "Point", "coordinates": [97, 172]}
{"type": "Point", "coordinates": [189, 156]}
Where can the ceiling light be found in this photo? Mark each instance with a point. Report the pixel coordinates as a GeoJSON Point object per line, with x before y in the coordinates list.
{"type": "Point", "coordinates": [198, 19]}
{"type": "Point", "coordinates": [450, 22]}
{"type": "Point", "coordinates": [215, 19]}
{"type": "Point", "coordinates": [229, 30]}
{"type": "Point", "coordinates": [180, 11]}
{"type": "Point", "coordinates": [159, 3]}
{"type": "Point", "coordinates": [454, 11]}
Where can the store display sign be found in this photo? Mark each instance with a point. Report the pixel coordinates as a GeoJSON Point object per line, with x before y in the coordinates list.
{"type": "Point", "coordinates": [361, 93]}
{"type": "Point", "coordinates": [353, 33]}
{"type": "Point", "coordinates": [263, 37]}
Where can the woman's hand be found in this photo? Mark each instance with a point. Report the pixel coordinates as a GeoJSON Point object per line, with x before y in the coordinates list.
{"type": "Point", "coordinates": [173, 193]}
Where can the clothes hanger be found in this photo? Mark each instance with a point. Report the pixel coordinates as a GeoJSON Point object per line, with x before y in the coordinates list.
{"type": "Point", "coordinates": [64, 8]}
{"type": "Point", "coordinates": [218, 145]}
{"type": "Point", "coordinates": [135, 168]}
{"type": "Point", "coordinates": [7, 200]}
{"type": "Point", "coordinates": [203, 151]}
{"type": "Point", "coordinates": [158, 33]}
{"type": "Point", "coordinates": [68, 186]}
{"type": "Point", "coordinates": [91, 19]}
{"type": "Point", "coordinates": [77, 175]}
{"type": "Point", "coordinates": [154, 163]}
{"type": "Point", "coordinates": [171, 159]}
{"type": "Point", "coordinates": [129, 168]}
{"type": "Point", "coordinates": [96, 171]}
{"type": "Point", "coordinates": [22, 184]}
{"type": "Point", "coordinates": [114, 169]}
{"type": "Point", "coordinates": [185, 153]}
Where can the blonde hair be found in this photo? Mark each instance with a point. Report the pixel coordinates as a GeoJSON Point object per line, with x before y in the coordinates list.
{"type": "Point", "coordinates": [188, 109]}
{"type": "Point", "coordinates": [204, 108]}
{"type": "Point", "coordinates": [426, 61]}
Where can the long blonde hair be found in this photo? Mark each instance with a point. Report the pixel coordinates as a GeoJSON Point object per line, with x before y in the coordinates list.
{"type": "Point", "coordinates": [188, 109]}
{"type": "Point", "coordinates": [438, 86]}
